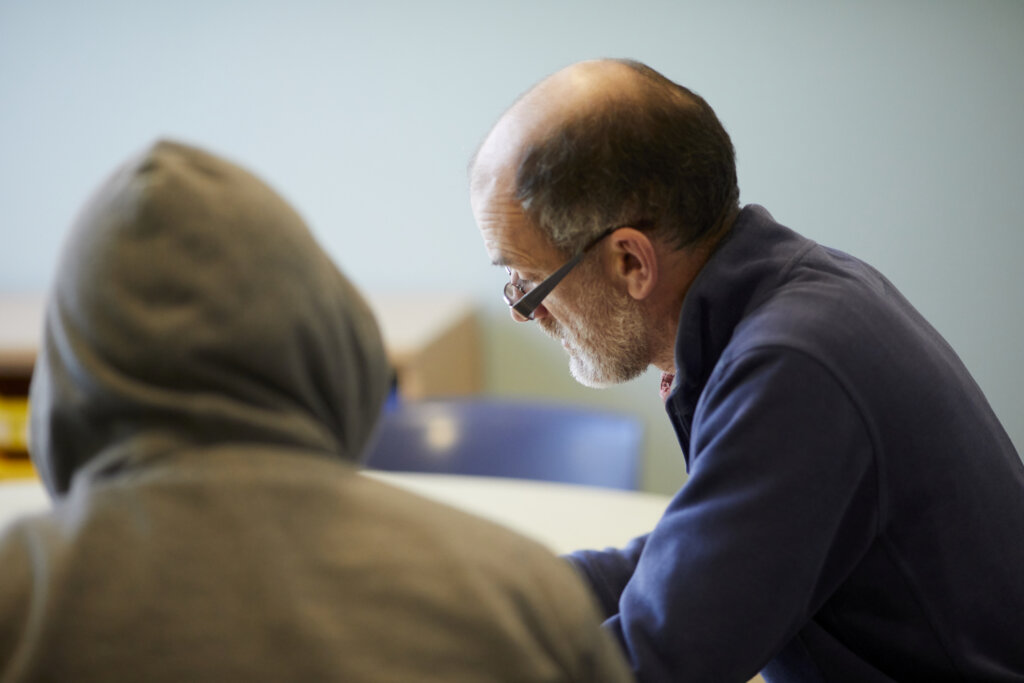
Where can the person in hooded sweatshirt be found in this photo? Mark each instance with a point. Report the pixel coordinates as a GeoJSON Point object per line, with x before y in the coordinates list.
{"type": "Point", "coordinates": [207, 383]}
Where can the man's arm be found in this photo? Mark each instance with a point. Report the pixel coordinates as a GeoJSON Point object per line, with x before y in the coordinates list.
{"type": "Point", "coordinates": [780, 504]}
{"type": "Point", "coordinates": [608, 571]}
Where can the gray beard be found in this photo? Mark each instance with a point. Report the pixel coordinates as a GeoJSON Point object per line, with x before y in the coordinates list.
{"type": "Point", "coordinates": [607, 344]}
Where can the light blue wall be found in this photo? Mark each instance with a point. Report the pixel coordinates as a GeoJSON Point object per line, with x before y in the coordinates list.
{"type": "Point", "coordinates": [889, 129]}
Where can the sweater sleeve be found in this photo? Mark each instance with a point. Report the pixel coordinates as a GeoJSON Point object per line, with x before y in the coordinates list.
{"type": "Point", "coordinates": [780, 504]}
{"type": "Point", "coordinates": [608, 571]}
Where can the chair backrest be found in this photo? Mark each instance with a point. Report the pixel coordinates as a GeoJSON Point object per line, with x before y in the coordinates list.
{"type": "Point", "coordinates": [504, 438]}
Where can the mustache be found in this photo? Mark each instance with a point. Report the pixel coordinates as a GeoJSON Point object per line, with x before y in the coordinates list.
{"type": "Point", "coordinates": [547, 325]}
{"type": "Point", "coordinates": [552, 329]}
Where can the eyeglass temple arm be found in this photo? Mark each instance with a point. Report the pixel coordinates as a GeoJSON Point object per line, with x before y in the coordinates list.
{"type": "Point", "coordinates": [528, 304]}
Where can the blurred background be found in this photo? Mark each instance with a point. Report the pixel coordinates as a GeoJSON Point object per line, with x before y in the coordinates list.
{"type": "Point", "coordinates": [886, 128]}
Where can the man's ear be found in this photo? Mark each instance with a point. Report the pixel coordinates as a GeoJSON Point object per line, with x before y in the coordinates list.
{"type": "Point", "coordinates": [634, 262]}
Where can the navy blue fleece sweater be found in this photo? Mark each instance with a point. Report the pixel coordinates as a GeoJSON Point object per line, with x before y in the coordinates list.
{"type": "Point", "coordinates": [854, 510]}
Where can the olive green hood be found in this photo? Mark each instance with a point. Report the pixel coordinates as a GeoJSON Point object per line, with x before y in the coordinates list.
{"type": "Point", "coordinates": [192, 307]}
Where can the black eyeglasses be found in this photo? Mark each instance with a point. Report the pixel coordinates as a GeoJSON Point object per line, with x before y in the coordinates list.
{"type": "Point", "coordinates": [525, 303]}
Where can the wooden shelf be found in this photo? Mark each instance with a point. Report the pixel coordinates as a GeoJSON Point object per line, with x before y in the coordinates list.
{"type": "Point", "coordinates": [432, 342]}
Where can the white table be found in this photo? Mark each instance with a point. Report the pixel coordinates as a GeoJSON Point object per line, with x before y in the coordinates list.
{"type": "Point", "coordinates": [19, 497]}
{"type": "Point", "coordinates": [563, 517]}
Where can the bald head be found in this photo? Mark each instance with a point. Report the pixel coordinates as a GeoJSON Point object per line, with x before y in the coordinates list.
{"type": "Point", "coordinates": [605, 142]}
{"type": "Point", "coordinates": [564, 95]}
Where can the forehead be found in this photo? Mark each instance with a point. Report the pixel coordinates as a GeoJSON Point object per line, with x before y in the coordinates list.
{"type": "Point", "coordinates": [509, 237]}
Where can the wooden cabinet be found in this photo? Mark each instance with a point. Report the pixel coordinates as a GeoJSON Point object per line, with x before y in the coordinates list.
{"type": "Point", "coordinates": [433, 342]}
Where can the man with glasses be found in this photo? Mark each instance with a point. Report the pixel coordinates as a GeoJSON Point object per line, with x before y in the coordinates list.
{"type": "Point", "coordinates": [854, 510]}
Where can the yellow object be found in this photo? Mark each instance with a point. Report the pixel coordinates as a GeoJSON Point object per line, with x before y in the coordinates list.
{"type": "Point", "coordinates": [17, 468]}
{"type": "Point", "coordinates": [14, 460]}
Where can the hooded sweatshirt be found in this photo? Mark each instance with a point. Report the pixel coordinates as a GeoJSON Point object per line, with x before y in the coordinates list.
{"type": "Point", "coordinates": [206, 385]}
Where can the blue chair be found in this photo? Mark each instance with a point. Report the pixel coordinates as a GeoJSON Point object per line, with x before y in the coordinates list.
{"type": "Point", "coordinates": [504, 438]}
